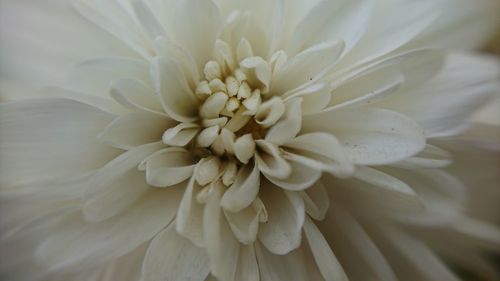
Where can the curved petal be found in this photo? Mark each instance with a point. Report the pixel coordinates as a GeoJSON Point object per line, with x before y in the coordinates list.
{"type": "Point", "coordinates": [323, 149]}
{"type": "Point", "coordinates": [325, 259]}
{"type": "Point", "coordinates": [243, 191]}
{"type": "Point", "coordinates": [332, 20]}
{"type": "Point", "coordinates": [168, 166]}
{"type": "Point", "coordinates": [197, 23]}
{"type": "Point", "coordinates": [245, 223]}
{"type": "Point", "coordinates": [172, 257]}
{"type": "Point", "coordinates": [72, 242]}
{"type": "Point", "coordinates": [117, 185]}
{"type": "Point", "coordinates": [288, 126]}
{"type": "Point", "coordinates": [370, 136]}
{"type": "Point", "coordinates": [223, 247]}
{"type": "Point", "coordinates": [282, 233]}
{"type": "Point", "coordinates": [189, 219]}
{"type": "Point", "coordinates": [50, 138]}
{"type": "Point", "coordinates": [301, 176]}
{"type": "Point", "coordinates": [270, 162]}
{"type": "Point", "coordinates": [316, 201]}
{"type": "Point", "coordinates": [134, 94]}
{"type": "Point", "coordinates": [134, 129]}
{"type": "Point", "coordinates": [177, 98]}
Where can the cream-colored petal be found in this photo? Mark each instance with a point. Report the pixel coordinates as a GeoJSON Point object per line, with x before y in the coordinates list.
{"type": "Point", "coordinates": [149, 23]}
{"type": "Point", "coordinates": [208, 170]}
{"type": "Point", "coordinates": [282, 233]}
{"type": "Point", "coordinates": [289, 125]}
{"type": "Point", "coordinates": [117, 185]}
{"type": "Point", "coordinates": [169, 49]}
{"type": "Point", "coordinates": [134, 94]}
{"type": "Point", "coordinates": [173, 257]}
{"type": "Point", "coordinates": [239, 120]}
{"type": "Point", "coordinates": [168, 166]}
{"type": "Point", "coordinates": [245, 223]}
{"type": "Point", "coordinates": [244, 190]}
{"type": "Point", "coordinates": [176, 97]}
{"type": "Point", "coordinates": [196, 25]}
{"type": "Point", "coordinates": [270, 112]}
{"type": "Point", "coordinates": [189, 219]}
{"type": "Point", "coordinates": [244, 148]}
{"type": "Point", "coordinates": [181, 134]}
{"type": "Point", "coordinates": [370, 136]}
{"type": "Point", "coordinates": [314, 98]}
{"type": "Point", "coordinates": [257, 71]}
{"type": "Point", "coordinates": [95, 75]}
{"type": "Point", "coordinates": [338, 20]}
{"type": "Point", "coordinates": [73, 241]}
{"type": "Point", "coordinates": [248, 269]}
{"type": "Point", "coordinates": [134, 129]}
{"type": "Point", "coordinates": [50, 138]}
{"type": "Point", "coordinates": [316, 200]}
{"type": "Point", "coordinates": [324, 150]}
{"type": "Point", "coordinates": [270, 162]}
{"type": "Point", "coordinates": [431, 157]}
{"type": "Point", "coordinates": [223, 247]}
{"type": "Point", "coordinates": [309, 65]}
{"type": "Point", "coordinates": [301, 176]}
{"type": "Point", "coordinates": [323, 255]}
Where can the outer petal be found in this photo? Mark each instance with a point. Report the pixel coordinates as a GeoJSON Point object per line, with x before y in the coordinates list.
{"type": "Point", "coordinates": [49, 138]}
{"type": "Point", "coordinates": [177, 98]}
{"type": "Point", "coordinates": [72, 242]}
{"type": "Point", "coordinates": [172, 257]}
{"type": "Point", "coordinates": [370, 136]}
{"type": "Point", "coordinates": [135, 129]}
{"type": "Point", "coordinates": [282, 233]}
{"type": "Point", "coordinates": [197, 24]}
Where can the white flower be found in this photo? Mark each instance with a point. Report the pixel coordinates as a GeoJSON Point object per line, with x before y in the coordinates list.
{"type": "Point", "coordinates": [243, 140]}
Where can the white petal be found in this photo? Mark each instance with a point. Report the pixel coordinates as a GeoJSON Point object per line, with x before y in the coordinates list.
{"type": "Point", "coordinates": [96, 74]}
{"type": "Point", "coordinates": [257, 71]}
{"type": "Point", "coordinates": [49, 138]}
{"type": "Point", "coordinates": [148, 20]}
{"type": "Point", "coordinates": [388, 30]}
{"type": "Point", "coordinates": [197, 24]}
{"type": "Point", "coordinates": [332, 20]}
{"type": "Point", "coordinates": [370, 136]}
{"type": "Point", "coordinates": [238, 121]}
{"type": "Point", "coordinates": [282, 233]}
{"type": "Point", "coordinates": [325, 259]}
{"type": "Point", "coordinates": [270, 162]}
{"type": "Point", "coordinates": [244, 189]}
{"type": "Point", "coordinates": [130, 130]}
{"type": "Point", "coordinates": [245, 223]}
{"type": "Point", "coordinates": [134, 94]}
{"type": "Point", "coordinates": [181, 134]}
{"type": "Point", "coordinates": [270, 112]}
{"type": "Point", "coordinates": [301, 176]}
{"type": "Point", "coordinates": [288, 126]}
{"type": "Point", "coordinates": [177, 98]}
{"type": "Point", "coordinates": [466, 25]}
{"type": "Point", "coordinates": [189, 219]}
{"type": "Point", "coordinates": [172, 257]}
{"type": "Point", "coordinates": [324, 149]}
{"type": "Point", "coordinates": [168, 166]}
{"type": "Point", "coordinates": [169, 49]}
{"type": "Point", "coordinates": [117, 185]}
{"type": "Point", "coordinates": [354, 246]}
{"type": "Point", "coordinates": [383, 180]}
{"type": "Point", "coordinates": [122, 26]}
{"type": "Point", "coordinates": [72, 243]}
{"type": "Point", "coordinates": [441, 107]}
{"type": "Point", "coordinates": [248, 269]}
{"type": "Point", "coordinates": [431, 157]}
{"type": "Point", "coordinates": [309, 65]}
{"type": "Point", "coordinates": [221, 245]}
{"type": "Point", "coordinates": [316, 200]}
{"type": "Point", "coordinates": [315, 97]}
{"type": "Point", "coordinates": [244, 148]}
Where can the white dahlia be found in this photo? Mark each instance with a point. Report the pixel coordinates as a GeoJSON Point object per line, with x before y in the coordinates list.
{"type": "Point", "coordinates": [246, 140]}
